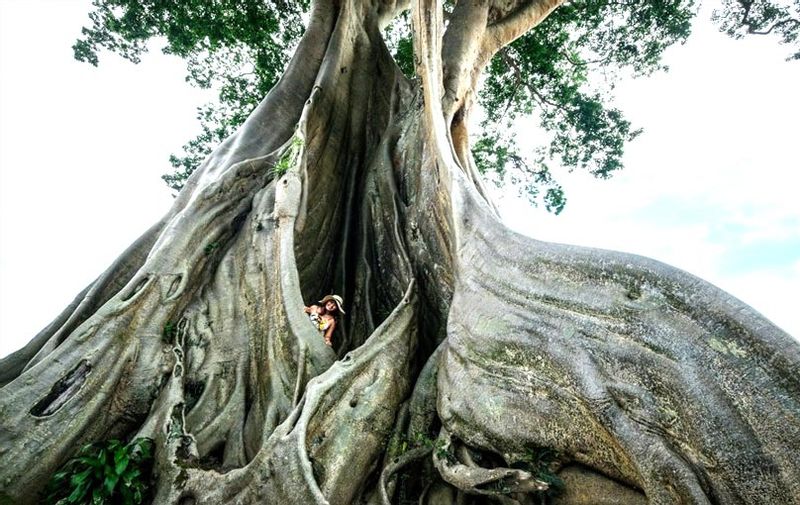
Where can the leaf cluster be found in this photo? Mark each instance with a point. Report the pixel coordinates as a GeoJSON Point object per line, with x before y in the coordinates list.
{"type": "Point", "coordinates": [398, 38]}
{"type": "Point", "coordinates": [237, 47]}
{"type": "Point", "coordinates": [437, 446]}
{"type": "Point", "coordinates": [738, 18]}
{"type": "Point", "coordinates": [104, 472]}
{"type": "Point", "coordinates": [289, 157]}
{"type": "Point", "coordinates": [563, 72]}
{"type": "Point", "coordinates": [169, 332]}
{"type": "Point", "coordinates": [541, 463]}
{"type": "Point", "coordinates": [420, 439]}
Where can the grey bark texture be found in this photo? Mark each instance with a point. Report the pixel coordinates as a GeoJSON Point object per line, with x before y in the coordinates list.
{"type": "Point", "coordinates": [466, 347]}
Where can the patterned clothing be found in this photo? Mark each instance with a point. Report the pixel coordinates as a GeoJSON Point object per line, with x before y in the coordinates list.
{"type": "Point", "coordinates": [319, 322]}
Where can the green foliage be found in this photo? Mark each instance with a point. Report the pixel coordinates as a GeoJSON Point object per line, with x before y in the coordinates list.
{"type": "Point", "coordinates": [437, 446]}
{"type": "Point", "coordinates": [738, 18]}
{"type": "Point", "coordinates": [397, 446]}
{"type": "Point", "coordinates": [400, 44]}
{"type": "Point", "coordinates": [563, 72]}
{"type": "Point", "coordinates": [238, 47]}
{"type": "Point", "coordinates": [289, 157]}
{"type": "Point", "coordinates": [498, 158]}
{"type": "Point", "coordinates": [444, 453]}
{"type": "Point", "coordinates": [170, 332]}
{"type": "Point", "coordinates": [540, 463]}
{"type": "Point", "coordinates": [419, 439]}
{"type": "Point", "coordinates": [211, 247]}
{"type": "Point", "coordinates": [104, 472]}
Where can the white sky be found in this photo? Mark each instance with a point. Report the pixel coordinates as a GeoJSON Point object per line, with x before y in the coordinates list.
{"type": "Point", "coordinates": [710, 187]}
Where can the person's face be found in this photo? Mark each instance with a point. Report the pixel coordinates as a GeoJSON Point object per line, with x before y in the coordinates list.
{"type": "Point", "coordinates": [330, 306]}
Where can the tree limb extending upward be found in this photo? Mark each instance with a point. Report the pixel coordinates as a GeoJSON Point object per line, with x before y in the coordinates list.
{"type": "Point", "coordinates": [527, 15]}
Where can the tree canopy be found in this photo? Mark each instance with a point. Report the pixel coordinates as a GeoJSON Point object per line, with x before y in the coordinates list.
{"type": "Point", "coordinates": [563, 72]}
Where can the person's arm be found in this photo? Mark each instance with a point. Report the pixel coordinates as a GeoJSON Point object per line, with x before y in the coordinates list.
{"type": "Point", "coordinates": [329, 333]}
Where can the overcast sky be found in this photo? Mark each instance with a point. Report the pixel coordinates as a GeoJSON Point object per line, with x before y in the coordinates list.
{"type": "Point", "coordinates": [710, 187]}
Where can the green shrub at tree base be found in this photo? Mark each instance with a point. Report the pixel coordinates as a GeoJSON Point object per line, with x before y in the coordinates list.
{"type": "Point", "coordinates": [103, 473]}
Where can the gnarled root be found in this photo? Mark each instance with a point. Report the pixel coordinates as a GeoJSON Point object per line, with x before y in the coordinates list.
{"type": "Point", "coordinates": [457, 468]}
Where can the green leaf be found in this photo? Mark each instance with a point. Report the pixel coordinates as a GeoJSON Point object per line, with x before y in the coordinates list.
{"type": "Point", "coordinates": [60, 476]}
{"type": "Point", "coordinates": [80, 477]}
{"type": "Point", "coordinates": [78, 493]}
{"type": "Point", "coordinates": [121, 463]}
{"type": "Point", "coordinates": [94, 475]}
{"type": "Point", "coordinates": [126, 494]}
{"type": "Point", "coordinates": [110, 483]}
{"type": "Point", "coordinates": [145, 445]}
{"type": "Point", "coordinates": [97, 496]}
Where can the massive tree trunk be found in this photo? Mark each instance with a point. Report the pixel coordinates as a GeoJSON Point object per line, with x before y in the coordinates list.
{"type": "Point", "coordinates": [466, 347]}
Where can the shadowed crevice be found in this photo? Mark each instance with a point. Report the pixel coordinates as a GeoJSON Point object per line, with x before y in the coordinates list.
{"type": "Point", "coordinates": [62, 390]}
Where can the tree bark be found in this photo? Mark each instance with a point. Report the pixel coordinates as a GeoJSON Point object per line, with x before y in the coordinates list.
{"type": "Point", "coordinates": [466, 346]}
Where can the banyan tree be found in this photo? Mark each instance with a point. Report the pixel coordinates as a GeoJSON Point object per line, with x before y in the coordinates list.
{"type": "Point", "coordinates": [474, 365]}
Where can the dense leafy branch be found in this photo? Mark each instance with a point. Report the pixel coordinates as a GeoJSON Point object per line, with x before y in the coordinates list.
{"type": "Point", "coordinates": [738, 18]}
{"type": "Point", "coordinates": [563, 72]}
{"type": "Point", "coordinates": [397, 36]}
{"type": "Point", "coordinates": [105, 472]}
{"type": "Point", "coordinates": [239, 48]}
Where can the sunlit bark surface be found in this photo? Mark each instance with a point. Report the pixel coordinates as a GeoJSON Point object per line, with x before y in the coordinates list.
{"type": "Point", "coordinates": [466, 347]}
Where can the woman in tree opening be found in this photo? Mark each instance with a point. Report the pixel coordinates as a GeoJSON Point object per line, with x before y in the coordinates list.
{"type": "Point", "coordinates": [324, 315]}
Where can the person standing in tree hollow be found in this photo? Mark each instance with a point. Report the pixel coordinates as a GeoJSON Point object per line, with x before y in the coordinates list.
{"type": "Point", "coordinates": [325, 315]}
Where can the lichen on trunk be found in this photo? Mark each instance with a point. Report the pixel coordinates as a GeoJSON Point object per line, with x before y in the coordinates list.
{"type": "Point", "coordinates": [468, 352]}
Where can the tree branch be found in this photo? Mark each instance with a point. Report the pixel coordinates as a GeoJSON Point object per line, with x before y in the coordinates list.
{"type": "Point", "coordinates": [461, 46]}
{"type": "Point", "coordinates": [520, 81]}
{"type": "Point", "coordinates": [753, 26]}
{"type": "Point", "coordinates": [527, 15]}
